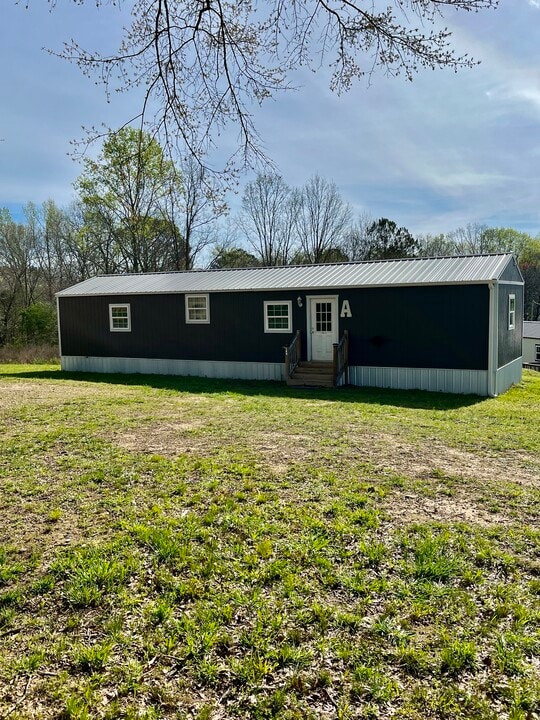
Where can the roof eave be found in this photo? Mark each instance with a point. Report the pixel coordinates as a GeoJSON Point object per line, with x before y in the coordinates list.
{"type": "Point", "coordinates": [291, 288]}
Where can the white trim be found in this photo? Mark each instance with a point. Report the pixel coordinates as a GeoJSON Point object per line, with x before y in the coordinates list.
{"type": "Point", "coordinates": [335, 318]}
{"type": "Point", "coordinates": [493, 337]}
{"type": "Point", "coordinates": [512, 362]}
{"type": "Point", "coordinates": [511, 312]}
{"type": "Point", "coordinates": [190, 321]}
{"type": "Point", "coordinates": [511, 282]}
{"type": "Point", "coordinates": [111, 323]}
{"type": "Point", "coordinates": [58, 326]}
{"type": "Point", "coordinates": [267, 304]}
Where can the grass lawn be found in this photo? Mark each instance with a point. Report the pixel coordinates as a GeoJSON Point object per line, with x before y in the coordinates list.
{"type": "Point", "coordinates": [188, 548]}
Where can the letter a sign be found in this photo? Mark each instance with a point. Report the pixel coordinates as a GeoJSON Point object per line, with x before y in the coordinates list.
{"type": "Point", "coordinates": [345, 309]}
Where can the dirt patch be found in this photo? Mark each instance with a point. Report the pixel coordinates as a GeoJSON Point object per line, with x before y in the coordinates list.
{"type": "Point", "coordinates": [14, 395]}
{"type": "Point", "coordinates": [441, 459]}
{"type": "Point", "coordinates": [378, 449]}
{"type": "Point", "coordinates": [457, 479]}
{"type": "Point", "coordinates": [416, 508]}
{"type": "Point", "coordinates": [169, 439]}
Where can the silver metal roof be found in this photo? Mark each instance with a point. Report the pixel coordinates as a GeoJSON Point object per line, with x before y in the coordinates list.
{"type": "Point", "coordinates": [414, 271]}
{"type": "Point", "coordinates": [531, 329]}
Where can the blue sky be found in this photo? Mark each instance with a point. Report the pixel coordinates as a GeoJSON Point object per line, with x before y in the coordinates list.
{"type": "Point", "coordinates": [433, 155]}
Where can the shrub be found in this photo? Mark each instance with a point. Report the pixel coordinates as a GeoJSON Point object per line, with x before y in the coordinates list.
{"type": "Point", "coordinates": [38, 324]}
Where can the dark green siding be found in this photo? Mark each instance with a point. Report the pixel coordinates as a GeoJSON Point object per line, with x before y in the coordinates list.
{"type": "Point", "coordinates": [431, 327]}
{"type": "Point", "coordinates": [512, 272]}
{"type": "Point", "coordinates": [158, 328]}
{"type": "Point", "coordinates": [509, 347]}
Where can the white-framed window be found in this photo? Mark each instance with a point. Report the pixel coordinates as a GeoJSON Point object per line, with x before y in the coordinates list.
{"type": "Point", "coordinates": [511, 312]}
{"type": "Point", "coordinates": [120, 317]}
{"type": "Point", "coordinates": [278, 316]}
{"type": "Point", "coordinates": [197, 309]}
{"type": "Point", "coordinates": [537, 353]}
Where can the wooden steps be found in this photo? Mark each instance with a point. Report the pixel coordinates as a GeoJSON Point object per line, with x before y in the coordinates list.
{"type": "Point", "coordinates": [312, 374]}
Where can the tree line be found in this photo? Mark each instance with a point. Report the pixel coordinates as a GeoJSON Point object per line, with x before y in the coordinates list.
{"type": "Point", "coordinates": [137, 211]}
{"type": "Point", "coordinates": [280, 225]}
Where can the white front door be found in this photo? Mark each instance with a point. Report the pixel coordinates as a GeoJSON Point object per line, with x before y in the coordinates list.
{"type": "Point", "coordinates": [323, 327]}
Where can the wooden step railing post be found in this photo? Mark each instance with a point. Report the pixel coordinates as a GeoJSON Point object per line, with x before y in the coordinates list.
{"type": "Point", "coordinates": [346, 355]}
{"type": "Point", "coordinates": [287, 362]}
{"type": "Point", "coordinates": [340, 359]}
{"type": "Point", "coordinates": [292, 355]}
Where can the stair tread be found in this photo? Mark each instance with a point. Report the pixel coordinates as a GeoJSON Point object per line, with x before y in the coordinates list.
{"type": "Point", "coordinates": [295, 382]}
{"type": "Point", "coordinates": [315, 363]}
{"type": "Point", "coordinates": [314, 371]}
{"type": "Point", "coordinates": [325, 378]}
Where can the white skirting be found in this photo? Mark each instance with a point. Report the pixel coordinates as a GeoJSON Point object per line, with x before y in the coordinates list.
{"type": "Point", "coordinates": [474, 382]}
{"type": "Point", "coordinates": [508, 375]}
{"type": "Point", "coordinates": [158, 366]}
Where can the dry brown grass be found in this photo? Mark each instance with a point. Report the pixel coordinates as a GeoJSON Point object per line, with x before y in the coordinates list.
{"type": "Point", "coordinates": [29, 354]}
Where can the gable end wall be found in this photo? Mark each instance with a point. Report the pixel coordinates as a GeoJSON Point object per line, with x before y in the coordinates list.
{"type": "Point", "coordinates": [509, 341]}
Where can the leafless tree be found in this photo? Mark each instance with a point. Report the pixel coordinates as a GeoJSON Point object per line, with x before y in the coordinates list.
{"type": "Point", "coordinates": [51, 229]}
{"type": "Point", "coordinates": [470, 239]}
{"type": "Point", "coordinates": [202, 64]}
{"type": "Point", "coordinates": [322, 220]}
{"type": "Point", "coordinates": [357, 238]}
{"type": "Point", "coordinates": [88, 246]}
{"type": "Point", "coordinates": [267, 219]}
{"type": "Point", "coordinates": [193, 207]}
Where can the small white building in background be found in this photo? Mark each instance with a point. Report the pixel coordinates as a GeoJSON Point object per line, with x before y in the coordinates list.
{"type": "Point", "coordinates": [531, 342]}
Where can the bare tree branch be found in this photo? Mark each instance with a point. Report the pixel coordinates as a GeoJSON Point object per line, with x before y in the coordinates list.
{"type": "Point", "coordinates": [202, 65]}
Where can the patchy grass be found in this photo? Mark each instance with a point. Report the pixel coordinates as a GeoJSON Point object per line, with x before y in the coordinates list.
{"type": "Point", "coordinates": [187, 548]}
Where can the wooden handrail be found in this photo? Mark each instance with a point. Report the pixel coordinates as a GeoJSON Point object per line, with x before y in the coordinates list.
{"type": "Point", "coordinates": [293, 354]}
{"type": "Point", "coordinates": [340, 359]}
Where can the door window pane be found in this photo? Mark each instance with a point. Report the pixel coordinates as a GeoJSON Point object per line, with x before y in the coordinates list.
{"type": "Point", "coordinates": [323, 317]}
